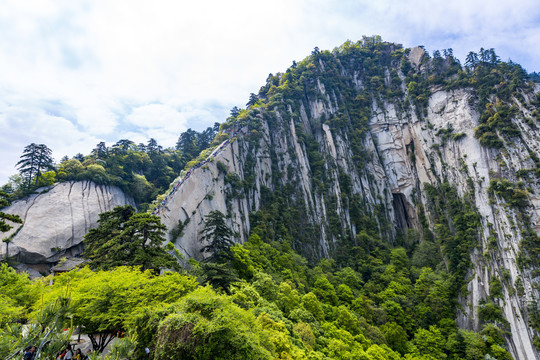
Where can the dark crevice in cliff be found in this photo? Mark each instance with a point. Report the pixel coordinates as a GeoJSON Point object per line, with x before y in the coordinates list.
{"type": "Point", "coordinates": [399, 203]}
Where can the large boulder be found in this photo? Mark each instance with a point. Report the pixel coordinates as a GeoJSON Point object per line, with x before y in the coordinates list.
{"type": "Point", "coordinates": [56, 219]}
{"type": "Point", "coordinates": [416, 56]}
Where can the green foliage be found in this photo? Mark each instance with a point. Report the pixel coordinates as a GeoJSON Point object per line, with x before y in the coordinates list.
{"type": "Point", "coordinates": [495, 287]}
{"type": "Point", "coordinates": [536, 342]}
{"type": "Point", "coordinates": [500, 353]}
{"type": "Point", "coordinates": [501, 81]}
{"type": "Point", "coordinates": [265, 285]}
{"type": "Point", "coordinates": [217, 236]}
{"type": "Point", "coordinates": [493, 334]}
{"type": "Point", "coordinates": [458, 136]}
{"type": "Point", "coordinates": [430, 342]}
{"type": "Point", "coordinates": [124, 237]}
{"type": "Point", "coordinates": [533, 310]}
{"type": "Point", "coordinates": [222, 168]}
{"type": "Point", "coordinates": [434, 291]}
{"type": "Point", "coordinates": [491, 312]}
{"type": "Point", "coordinates": [178, 231]}
{"type": "Point", "coordinates": [381, 286]}
{"type": "Point", "coordinates": [283, 309]}
{"type": "Point", "coordinates": [448, 134]}
{"type": "Point", "coordinates": [312, 304]}
{"type": "Point", "coordinates": [210, 326]}
{"type": "Point", "coordinates": [15, 219]}
{"type": "Point", "coordinates": [456, 225]}
{"type": "Point", "coordinates": [107, 302]}
{"type": "Point", "coordinates": [45, 332]}
{"type": "Point", "coordinates": [325, 291]}
{"type": "Point", "coordinates": [17, 294]}
{"type": "Point", "coordinates": [396, 337]}
{"type": "Point", "coordinates": [316, 160]}
{"type": "Point", "coordinates": [517, 197]}
{"type": "Point", "coordinates": [509, 191]}
{"type": "Point", "coordinates": [273, 297]}
{"type": "Point", "coordinates": [191, 143]}
{"type": "Point", "coordinates": [219, 275]}
{"type": "Point", "coordinates": [35, 159]}
{"type": "Point", "coordinates": [142, 171]}
{"type": "Point", "coordinates": [529, 248]}
{"type": "Point", "coordinates": [288, 298]}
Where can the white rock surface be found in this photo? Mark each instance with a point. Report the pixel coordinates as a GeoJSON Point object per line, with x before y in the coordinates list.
{"type": "Point", "coordinates": [55, 221]}
{"type": "Point", "coordinates": [416, 56]}
{"type": "Point", "coordinates": [403, 153]}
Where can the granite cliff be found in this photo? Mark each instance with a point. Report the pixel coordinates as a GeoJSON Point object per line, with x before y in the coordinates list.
{"type": "Point", "coordinates": [415, 161]}
{"type": "Point", "coordinates": [370, 139]}
{"type": "Point", "coordinates": [56, 219]}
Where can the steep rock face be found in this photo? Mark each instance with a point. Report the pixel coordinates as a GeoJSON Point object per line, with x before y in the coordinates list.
{"type": "Point", "coordinates": [55, 220]}
{"type": "Point", "coordinates": [201, 193]}
{"type": "Point", "coordinates": [464, 163]}
{"type": "Point", "coordinates": [299, 149]}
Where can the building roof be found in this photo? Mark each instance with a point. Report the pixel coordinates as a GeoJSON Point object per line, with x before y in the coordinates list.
{"type": "Point", "coordinates": [67, 264]}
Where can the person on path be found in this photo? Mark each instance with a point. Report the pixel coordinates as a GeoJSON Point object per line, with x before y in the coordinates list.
{"type": "Point", "coordinates": [69, 353]}
{"type": "Point", "coordinates": [29, 355]}
{"type": "Point", "coordinates": [78, 355]}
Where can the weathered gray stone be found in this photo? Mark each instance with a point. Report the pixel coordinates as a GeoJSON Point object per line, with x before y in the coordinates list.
{"type": "Point", "coordinates": [404, 152]}
{"type": "Point", "coordinates": [55, 220]}
{"type": "Point", "coordinates": [32, 273]}
{"type": "Point", "coordinates": [416, 56]}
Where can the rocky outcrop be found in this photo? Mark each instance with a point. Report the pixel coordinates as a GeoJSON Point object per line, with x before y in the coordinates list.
{"type": "Point", "coordinates": [201, 193]}
{"type": "Point", "coordinates": [416, 55]}
{"type": "Point", "coordinates": [464, 163]}
{"type": "Point", "coordinates": [56, 219]}
{"type": "Point", "coordinates": [402, 152]}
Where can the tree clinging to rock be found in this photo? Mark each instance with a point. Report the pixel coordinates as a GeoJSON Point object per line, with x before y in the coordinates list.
{"type": "Point", "coordinates": [124, 237]}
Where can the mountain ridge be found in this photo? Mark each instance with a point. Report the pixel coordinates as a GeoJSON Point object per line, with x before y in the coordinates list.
{"type": "Point", "coordinates": [306, 145]}
{"type": "Point", "coordinates": [375, 144]}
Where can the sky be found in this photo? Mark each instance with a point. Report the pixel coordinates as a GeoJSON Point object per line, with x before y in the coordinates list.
{"type": "Point", "coordinates": [74, 73]}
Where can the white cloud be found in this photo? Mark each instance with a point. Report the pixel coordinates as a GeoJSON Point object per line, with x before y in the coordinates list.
{"type": "Point", "coordinates": [157, 116]}
{"type": "Point", "coordinates": [104, 66]}
{"type": "Point", "coordinates": [33, 126]}
{"type": "Point", "coordinates": [96, 120]}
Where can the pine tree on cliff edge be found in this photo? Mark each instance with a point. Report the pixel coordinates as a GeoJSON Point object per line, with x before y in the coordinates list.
{"type": "Point", "coordinates": [126, 238]}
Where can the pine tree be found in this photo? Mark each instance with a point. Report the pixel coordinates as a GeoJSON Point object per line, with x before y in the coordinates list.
{"type": "Point", "coordinates": [494, 59]}
{"type": "Point", "coordinates": [122, 146]}
{"type": "Point", "coordinates": [484, 55]}
{"type": "Point", "coordinates": [35, 159]}
{"type": "Point", "coordinates": [252, 100]}
{"type": "Point", "coordinates": [3, 216]}
{"type": "Point", "coordinates": [124, 237]}
{"type": "Point", "coordinates": [4, 226]}
{"type": "Point", "coordinates": [205, 138]}
{"type": "Point", "coordinates": [187, 144]}
{"type": "Point", "coordinates": [217, 236]}
{"type": "Point", "coordinates": [100, 151]}
{"type": "Point", "coordinates": [216, 268]}
{"type": "Point", "coordinates": [220, 276]}
{"type": "Point", "coordinates": [153, 147]}
{"type": "Point", "coordinates": [471, 60]}
{"type": "Point", "coordinates": [235, 111]}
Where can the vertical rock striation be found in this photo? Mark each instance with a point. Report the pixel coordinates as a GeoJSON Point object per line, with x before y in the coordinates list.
{"type": "Point", "coordinates": [307, 148]}
{"type": "Point", "coordinates": [56, 219]}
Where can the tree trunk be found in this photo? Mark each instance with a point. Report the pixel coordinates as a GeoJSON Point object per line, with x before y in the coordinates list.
{"type": "Point", "coordinates": [99, 344]}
